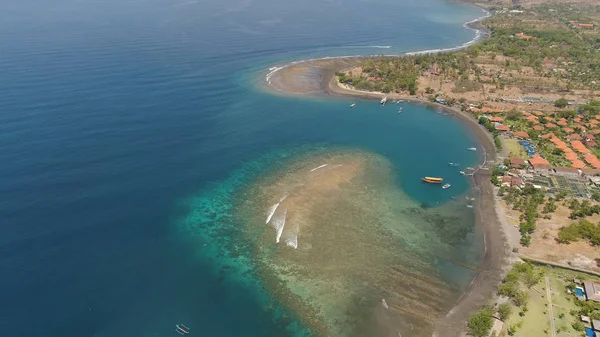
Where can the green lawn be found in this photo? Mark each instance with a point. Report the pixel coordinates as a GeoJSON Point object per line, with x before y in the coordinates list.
{"type": "Point", "coordinates": [536, 320]}
{"type": "Point", "coordinates": [515, 149]}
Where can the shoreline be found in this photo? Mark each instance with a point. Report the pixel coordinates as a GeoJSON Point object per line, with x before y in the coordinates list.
{"type": "Point", "coordinates": [316, 77]}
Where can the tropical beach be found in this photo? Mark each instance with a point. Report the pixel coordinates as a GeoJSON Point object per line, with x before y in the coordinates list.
{"type": "Point", "coordinates": [331, 76]}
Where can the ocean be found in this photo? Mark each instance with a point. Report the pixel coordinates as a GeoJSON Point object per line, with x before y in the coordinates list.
{"type": "Point", "coordinates": [137, 142]}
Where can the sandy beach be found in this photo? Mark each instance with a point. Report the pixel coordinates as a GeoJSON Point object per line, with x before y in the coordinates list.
{"type": "Point", "coordinates": [317, 77]}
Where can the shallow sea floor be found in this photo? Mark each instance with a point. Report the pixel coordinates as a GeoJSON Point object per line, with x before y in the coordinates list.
{"type": "Point", "coordinates": [329, 235]}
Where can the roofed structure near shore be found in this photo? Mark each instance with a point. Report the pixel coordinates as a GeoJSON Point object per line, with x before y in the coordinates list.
{"type": "Point", "coordinates": [592, 291]}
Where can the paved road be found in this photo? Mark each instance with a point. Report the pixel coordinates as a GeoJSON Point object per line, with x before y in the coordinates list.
{"type": "Point", "coordinates": [549, 296]}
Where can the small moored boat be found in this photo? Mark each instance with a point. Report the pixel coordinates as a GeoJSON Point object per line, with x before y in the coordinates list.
{"type": "Point", "coordinates": [432, 180]}
{"type": "Point", "coordinates": [182, 329]}
{"type": "Point", "coordinates": [352, 105]}
{"type": "Point", "coordinates": [446, 186]}
{"type": "Point", "coordinates": [472, 149]}
{"type": "Point", "coordinates": [454, 164]}
{"type": "Point", "coordinates": [383, 100]}
{"type": "Point", "coordinates": [462, 173]}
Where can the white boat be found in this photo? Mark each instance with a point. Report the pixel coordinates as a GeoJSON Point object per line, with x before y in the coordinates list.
{"type": "Point", "coordinates": [470, 168]}
{"type": "Point", "coordinates": [454, 164]}
{"type": "Point", "coordinates": [472, 149]}
{"type": "Point", "coordinates": [470, 206]}
{"type": "Point", "coordinates": [462, 173]}
{"type": "Point", "coordinates": [352, 105]}
{"type": "Point", "coordinates": [400, 110]}
{"type": "Point", "coordinates": [383, 100]}
{"type": "Point", "coordinates": [446, 186]}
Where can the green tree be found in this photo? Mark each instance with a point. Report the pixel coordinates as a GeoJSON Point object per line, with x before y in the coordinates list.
{"type": "Point", "coordinates": [481, 322]}
{"type": "Point", "coordinates": [504, 310]}
{"type": "Point", "coordinates": [561, 103]}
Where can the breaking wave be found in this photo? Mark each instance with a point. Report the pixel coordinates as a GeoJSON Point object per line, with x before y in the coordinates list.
{"type": "Point", "coordinates": [279, 224]}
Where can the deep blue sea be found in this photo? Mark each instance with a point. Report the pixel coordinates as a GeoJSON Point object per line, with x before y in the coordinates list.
{"type": "Point", "coordinates": [115, 115]}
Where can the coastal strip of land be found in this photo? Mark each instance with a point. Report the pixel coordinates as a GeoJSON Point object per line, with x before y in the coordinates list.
{"type": "Point", "coordinates": [318, 78]}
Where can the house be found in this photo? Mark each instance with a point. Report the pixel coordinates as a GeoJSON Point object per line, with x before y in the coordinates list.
{"type": "Point", "coordinates": [570, 155]}
{"type": "Point", "coordinates": [533, 119]}
{"type": "Point", "coordinates": [590, 171]}
{"type": "Point", "coordinates": [562, 123]}
{"type": "Point", "coordinates": [496, 119]}
{"type": "Point", "coordinates": [501, 127]}
{"type": "Point", "coordinates": [592, 292]}
{"type": "Point", "coordinates": [578, 164]}
{"type": "Point", "coordinates": [592, 160]}
{"type": "Point", "coordinates": [538, 113]}
{"type": "Point", "coordinates": [516, 182]}
{"type": "Point", "coordinates": [550, 125]}
{"type": "Point", "coordinates": [517, 162]}
{"type": "Point", "coordinates": [540, 164]}
{"type": "Point", "coordinates": [521, 134]}
{"type": "Point", "coordinates": [567, 171]}
{"type": "Point", "coordinates": [579, 147]}
{"type": "Point", "coordinates": [585, 25]}
{"type": "Point", "coordinates": [548, 135]}
{"type": "Point", "coordinates": [523, 36]}
{"type": "Point", "coordinates": [568, 130]}
{"type": "Point", "coordinates": [591, 143]}
{"type": "Point", "coordinates": [506, 180]}
{"type": "Point", "coordinates": [538, 128]}
{"type": "Point", "coordinates": [595, 131]}
{"type": "Point", "coordinates": [574, 136]}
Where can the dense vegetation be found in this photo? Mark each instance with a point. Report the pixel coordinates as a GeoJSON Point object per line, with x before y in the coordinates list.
{"type": "Point", "coordinates": [582, 230]}
{"type": "Point", "coordinates": [481, 322]}
{"type": "Point", "coordinates": [553, 49]}
{"type": "Point", "coordinates": [527, 202]}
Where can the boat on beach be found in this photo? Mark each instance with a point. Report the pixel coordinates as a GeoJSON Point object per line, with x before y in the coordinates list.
{"type": "Point", "coordinates": [446, 186]}
{"type": "Point", "coordinates": [383, 100]}
{"type": "Point", "coordinates": [182, 329]}
{"type": "Point", "coordinates": [432, 180]}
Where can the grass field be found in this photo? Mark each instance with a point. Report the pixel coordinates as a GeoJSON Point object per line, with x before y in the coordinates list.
{"type": "Point", "coordinates": [536, 321]}
{"type": "Point", "coordinates": [515, 149]}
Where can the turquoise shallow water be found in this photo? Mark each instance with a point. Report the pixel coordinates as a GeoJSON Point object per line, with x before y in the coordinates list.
{"type": "Point", "coordinates": [121, 121]}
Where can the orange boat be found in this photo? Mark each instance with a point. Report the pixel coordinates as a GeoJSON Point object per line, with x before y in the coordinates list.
{"type": "Point", "coordinates": [432, 180]}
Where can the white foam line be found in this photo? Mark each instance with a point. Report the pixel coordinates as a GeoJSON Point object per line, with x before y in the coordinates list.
{"type": "Point", "coordinates": [292, 242]}
{"type": "Point", "coordinates": [279, 225]}
{"type": "Point", "coordinates": [478, 34]}
{"type": "Point", "coordinates": [272, 211]}
{"type": "Point", "coordinates": [283, 198]}
{"type": "Point", "coordinates": [316, 168]}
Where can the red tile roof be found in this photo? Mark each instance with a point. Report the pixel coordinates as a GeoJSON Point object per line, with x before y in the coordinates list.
{"type": "Point", "coordinates": [538, 128]}
{"type": "Point", "coordinates": [550, 125]}
{"type": "Point", "coordinates": [562, 123]}
{"type": "Point", "coordinates": [577, 145]}
{"type": "Point", "coordinates": [521, 134]}
{"type": "Point", "coordinates": [574, 136]}
{"type": "Point", "coordinates": [517, 162]}
{"type": "Point", "coordinates": [538, 162]}
{"type": "Point", "coordinates": [577, 164]}
{"type": "Point", "coordinates": [592, 160]}
{"type": "Point", "coordinates": [502, 127]}
{"type": "Point", "coordinates": [568, 130]}
{"type": "Point", "coordinates": [496, 119]}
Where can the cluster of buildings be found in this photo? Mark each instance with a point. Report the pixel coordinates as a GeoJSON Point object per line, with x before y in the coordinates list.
{"type": "Point", "coordinates": [579, 136]}
{"type": "Point", "coordinates": [578, 25]}
{"type": "Point", "coordinates": [589, 291]}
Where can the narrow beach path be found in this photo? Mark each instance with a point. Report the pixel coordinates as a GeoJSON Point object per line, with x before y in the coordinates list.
{"type": "Point", "coordinates": [550, 311]}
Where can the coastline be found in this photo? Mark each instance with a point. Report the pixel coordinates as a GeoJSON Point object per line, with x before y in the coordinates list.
{"type": "Point", "coordinates": [316, 77]}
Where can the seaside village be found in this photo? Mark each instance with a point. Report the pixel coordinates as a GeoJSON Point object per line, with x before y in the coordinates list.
{"type": "Point", "coordinates": [547, 150]}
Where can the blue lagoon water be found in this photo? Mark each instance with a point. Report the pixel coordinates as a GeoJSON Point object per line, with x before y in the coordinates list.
{"type": "Point", "coordinates": [127, 126]}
